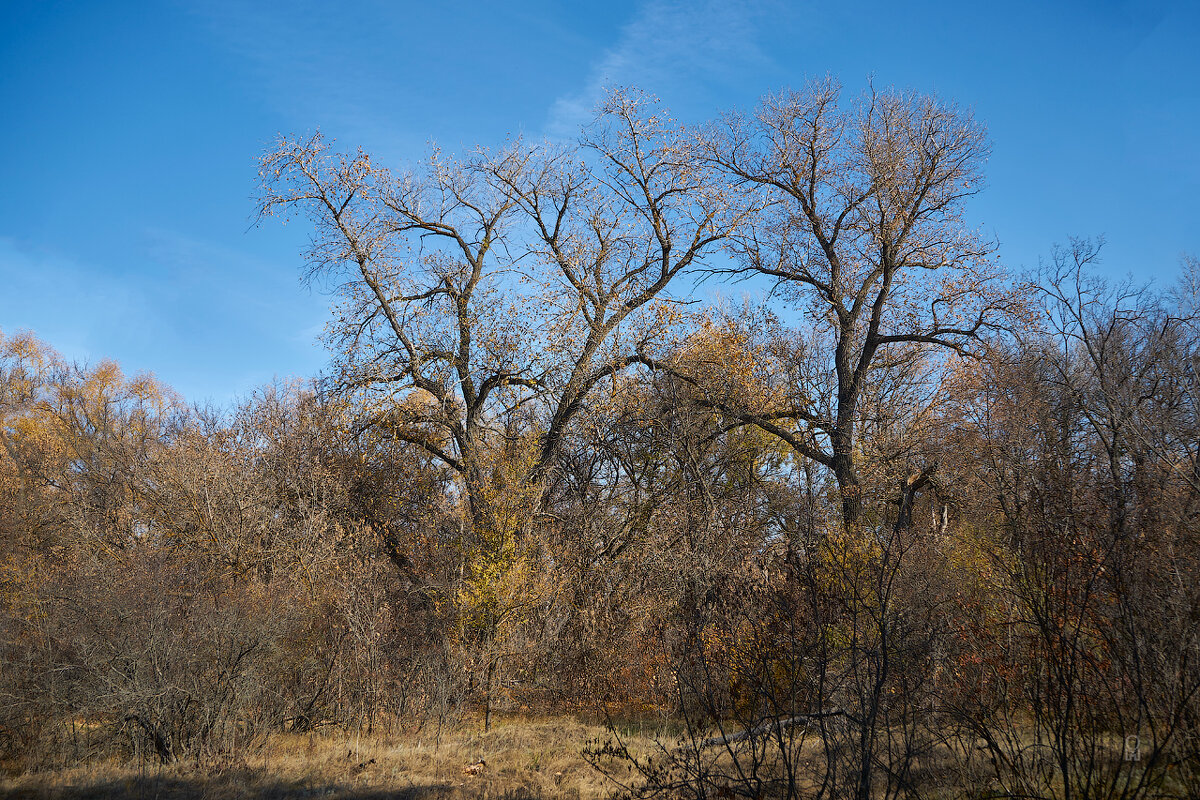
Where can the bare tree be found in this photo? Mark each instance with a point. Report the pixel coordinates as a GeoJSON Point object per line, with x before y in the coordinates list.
{"type": "Point", "coordinates": [861, 227]}
{"type": "Point", "coordinates": [511, 280]}
{"type": "Point", "coordinates": [482, 301]}
{"type": "Point", "coordinates": [1084, 462]}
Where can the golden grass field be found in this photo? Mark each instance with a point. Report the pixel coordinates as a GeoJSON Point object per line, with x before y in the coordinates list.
{"type": "Point", "coordinates": [524, 759]}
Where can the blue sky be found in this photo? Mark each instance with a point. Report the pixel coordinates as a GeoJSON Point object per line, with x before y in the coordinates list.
{"type": "Point", "coordinates": [127, 152]}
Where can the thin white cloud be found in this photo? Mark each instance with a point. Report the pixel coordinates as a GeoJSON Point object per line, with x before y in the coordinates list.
{"type": "Point", "coordinates": [261, 297]}
{"type": "Point", "coordinates": [670, 45]}
{"type": "Point", "coordinates": [306, 62]}
{"type": "Point", "coordinates": [74, 306]}
{"type": "Point", "coordinates": [209, 319]}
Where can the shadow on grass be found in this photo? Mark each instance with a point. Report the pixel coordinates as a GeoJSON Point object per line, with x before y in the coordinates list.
{"type": "Point", "coordinates": [239, 784]}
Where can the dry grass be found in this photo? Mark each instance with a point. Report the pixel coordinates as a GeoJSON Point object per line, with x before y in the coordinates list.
{"type": "Point", "coordinates": [525, 759]}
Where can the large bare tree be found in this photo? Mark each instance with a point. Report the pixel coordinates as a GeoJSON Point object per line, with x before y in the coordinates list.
{"type": "Point", "coordinates": [858, 222]}
{"type": "Point", "coordinates": [482, 300]}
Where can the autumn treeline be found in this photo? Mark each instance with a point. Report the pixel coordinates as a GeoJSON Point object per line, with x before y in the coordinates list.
{"type": "Point", "coordinates": [903, 525]}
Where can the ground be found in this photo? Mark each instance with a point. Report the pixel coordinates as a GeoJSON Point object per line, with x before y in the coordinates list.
{"type": "Point", "coordinates": [524, 759]}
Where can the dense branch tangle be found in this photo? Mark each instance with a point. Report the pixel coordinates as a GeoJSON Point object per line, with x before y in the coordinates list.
{"type": "Point", "coordinates": [483, 300]}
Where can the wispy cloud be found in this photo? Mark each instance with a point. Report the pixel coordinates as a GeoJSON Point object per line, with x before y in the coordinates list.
{"type": "Point", "coordinates": [313, 66]}
{"type": "Point", "coordinates": [692, 47]}
{"type": "Point", "coordinates": [209, 319]}
{"type": "Point", "coordinates": [72, 304]}
{"type": "Point", "coordinates": [242, 292]}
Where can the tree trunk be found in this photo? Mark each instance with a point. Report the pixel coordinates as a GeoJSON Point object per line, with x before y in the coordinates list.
{"type": "Point", "coordinates": [847, 478]}
{"type": "Point", "coordinates": [487, 696]}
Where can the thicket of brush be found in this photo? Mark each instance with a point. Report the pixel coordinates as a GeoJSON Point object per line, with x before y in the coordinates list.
{"type": "Point", "coordinates": [919, 530]}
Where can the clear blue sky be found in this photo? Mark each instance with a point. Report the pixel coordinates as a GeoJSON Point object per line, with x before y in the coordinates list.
{"type": "Point", "coordinates": [130, 132]}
